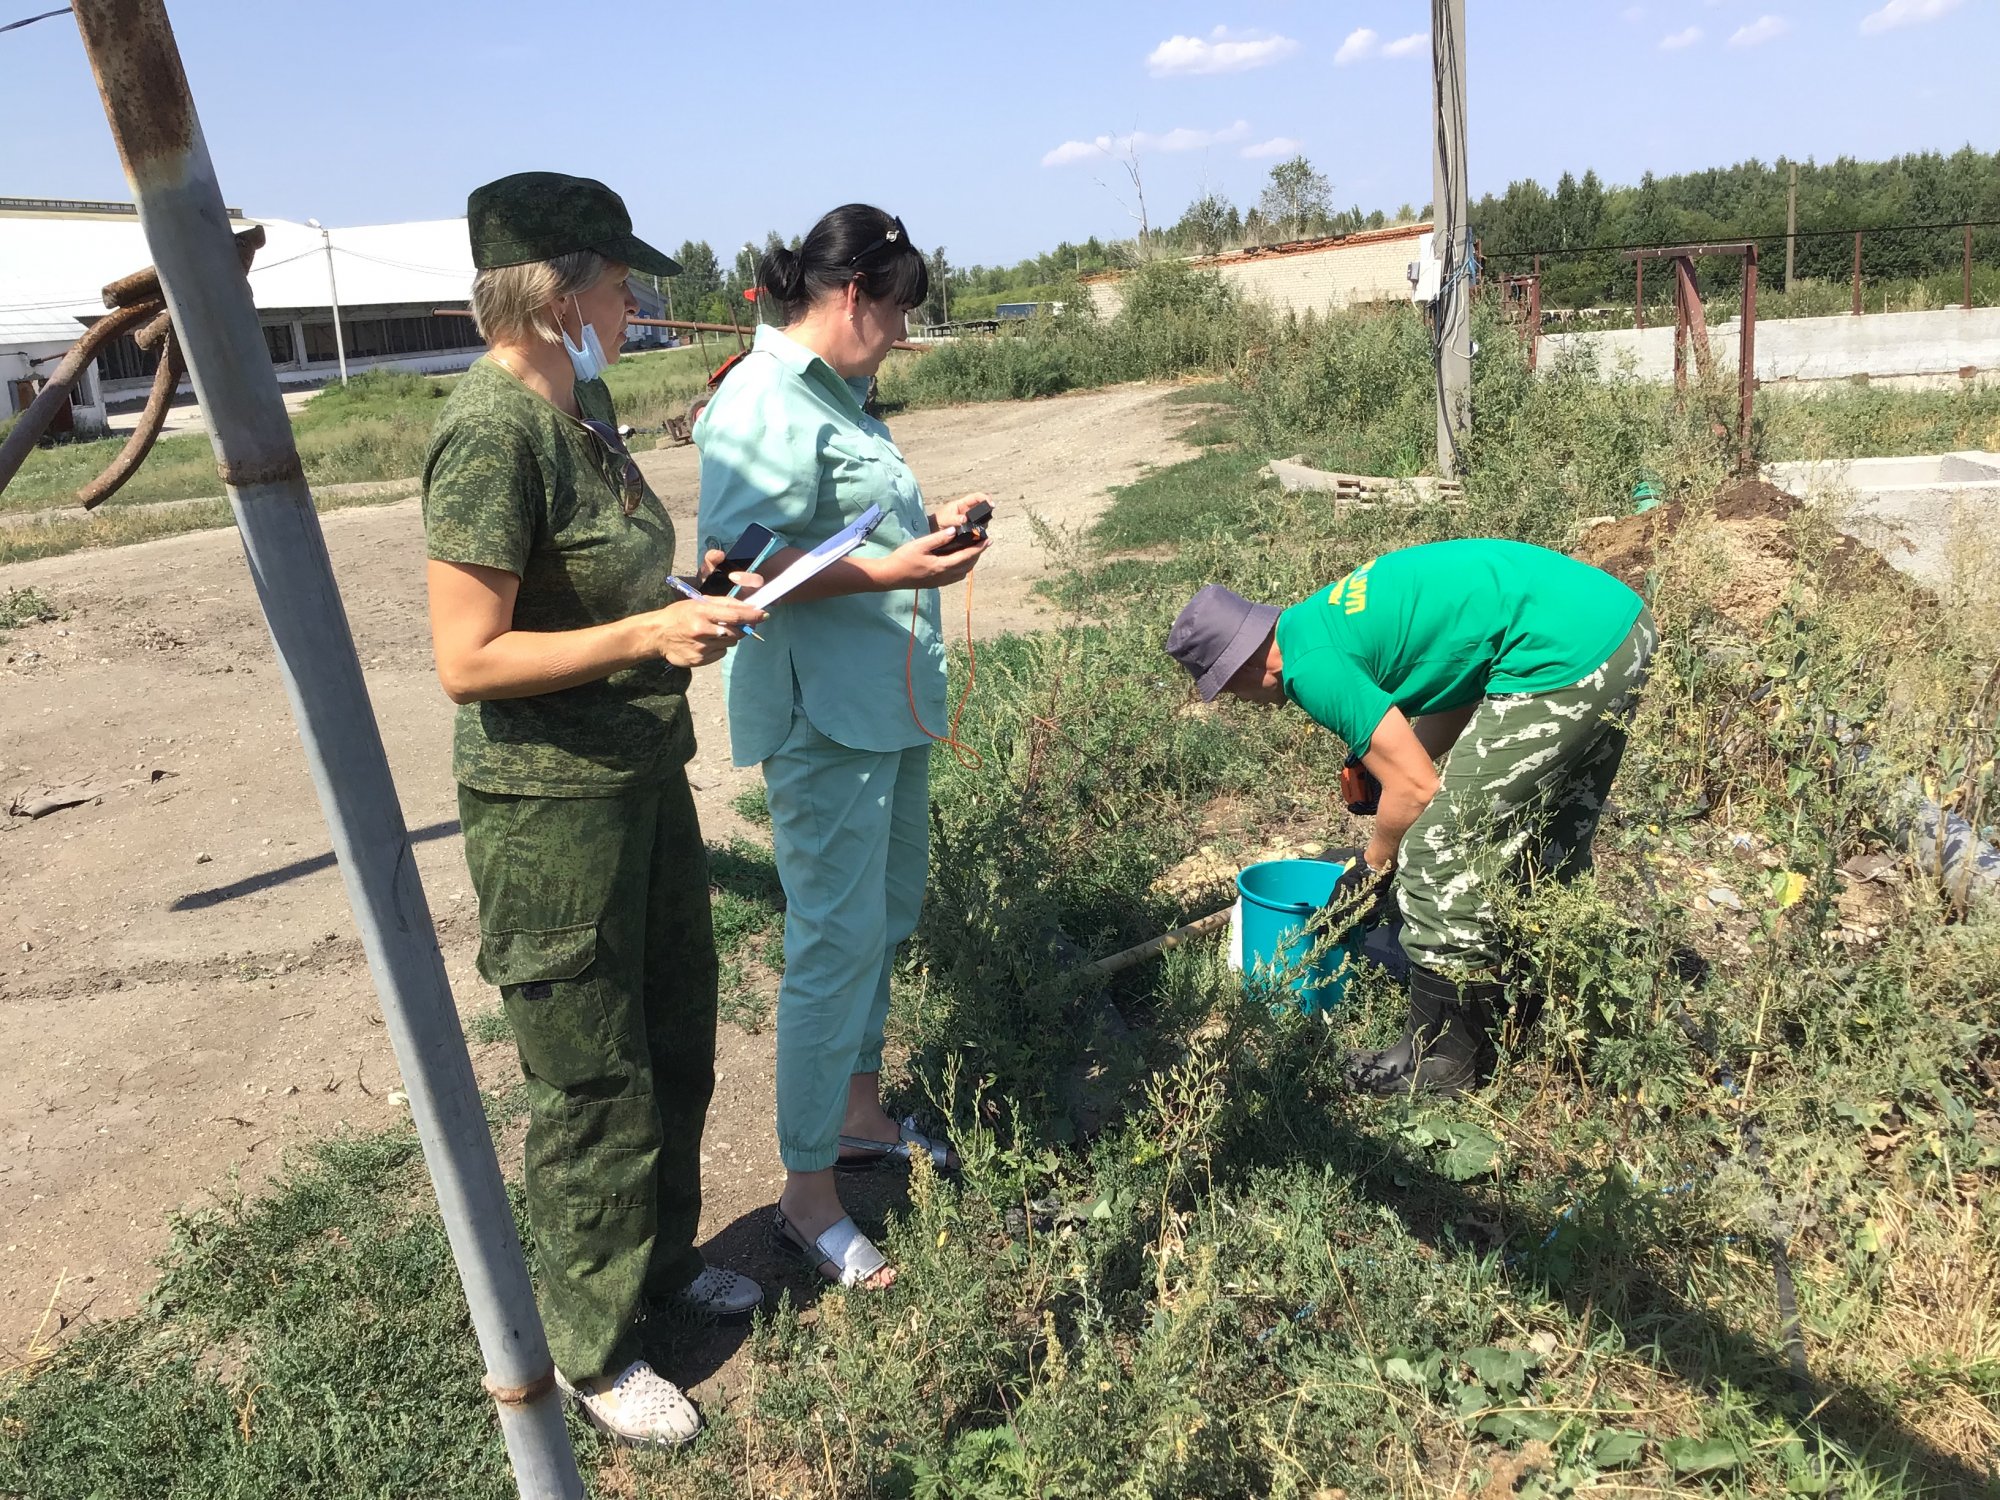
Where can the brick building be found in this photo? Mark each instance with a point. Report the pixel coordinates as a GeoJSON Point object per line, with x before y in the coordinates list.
{"type": "Point", "coordinates": [1304, 275]}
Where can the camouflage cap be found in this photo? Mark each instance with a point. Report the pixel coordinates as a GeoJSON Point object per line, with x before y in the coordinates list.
{"type": "Point", "coordinates": [534, 216]}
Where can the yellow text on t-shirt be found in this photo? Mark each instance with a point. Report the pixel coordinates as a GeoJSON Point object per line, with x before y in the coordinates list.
{"type": "Point", "coordinates": [1351, 593]}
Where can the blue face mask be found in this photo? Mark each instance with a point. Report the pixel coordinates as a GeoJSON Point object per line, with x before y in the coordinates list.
{"type": "Point", "coordinates": [588, 361]}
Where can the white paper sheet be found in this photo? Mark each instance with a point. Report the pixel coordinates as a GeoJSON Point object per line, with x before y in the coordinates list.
{"type": "Point", "coordinates": [817, 561]}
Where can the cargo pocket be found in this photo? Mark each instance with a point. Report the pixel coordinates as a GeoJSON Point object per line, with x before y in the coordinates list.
{"type": "Point", "coordinates": [570, 1033]}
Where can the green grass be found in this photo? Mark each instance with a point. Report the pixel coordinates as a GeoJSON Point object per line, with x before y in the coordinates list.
{"type": "Point", "coordinates": [1858, 421]}
{"type": "Point", "coordinates": [20, 607]}
{"type": "Point", "coordinates": [753, 806]}
{"type": "Point", "coordinates": [748, 906]}
{"type": "Point", "coordinates": [489, 1026]}
{"type": "Point", "coordinates": [376, 427]}
{"type": "Point", "coordinates": [1249, 1281]}
{"type": "Point", "coordinates": [1174, 323]}
{"type": "Point", "coordinates": [648, 388]}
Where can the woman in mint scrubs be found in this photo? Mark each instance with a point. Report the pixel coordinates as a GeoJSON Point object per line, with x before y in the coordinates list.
{"type": "Point", "coordinates": [834, 698]}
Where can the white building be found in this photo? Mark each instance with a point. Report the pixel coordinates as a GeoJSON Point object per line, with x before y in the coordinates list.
{"type": "Point", "coordinates": [1303, 275]}
{"type": "Point", "coordinates": [32, 344]}
{"type": "Point", "coordinates": [391, 280]}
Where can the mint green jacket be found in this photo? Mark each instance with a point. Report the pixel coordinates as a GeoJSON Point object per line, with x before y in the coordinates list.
{"type": "Point", "coordinates": [785, 442]}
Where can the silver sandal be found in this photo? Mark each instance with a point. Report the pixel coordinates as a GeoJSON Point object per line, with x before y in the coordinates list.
{"type": "Point", "coordinates": [908, 1140]}
{"type": "Point", "coordinates": [843, 1246]}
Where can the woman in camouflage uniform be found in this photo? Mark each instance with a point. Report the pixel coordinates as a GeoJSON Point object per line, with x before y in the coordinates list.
{"type": "Point", "coordinates": [557, 631]}
{"type": "Point", "coordinates": [1520, 668]}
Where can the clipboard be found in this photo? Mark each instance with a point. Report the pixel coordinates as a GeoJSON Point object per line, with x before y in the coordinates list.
{"type": "Point", "coordinates": [822, 557]}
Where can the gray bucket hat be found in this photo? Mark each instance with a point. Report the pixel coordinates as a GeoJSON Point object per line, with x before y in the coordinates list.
{"type": "Point", "coordinates": [1216, 634]}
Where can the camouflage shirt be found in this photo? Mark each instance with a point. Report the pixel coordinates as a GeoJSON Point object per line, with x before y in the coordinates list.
{"type": "Point", "coordinates": [512, 483]}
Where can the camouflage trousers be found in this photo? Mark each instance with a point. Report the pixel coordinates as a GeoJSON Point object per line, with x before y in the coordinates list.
{"type": "Point", "coordinates": [594, 923]}
{"type": "Point", "coordinates": [1518, 800]}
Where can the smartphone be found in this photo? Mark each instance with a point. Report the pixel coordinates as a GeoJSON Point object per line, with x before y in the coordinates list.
{"type": "Point", "coordinates": [971, 533]}
{"type": "Point", "coordinates": [740, 558]}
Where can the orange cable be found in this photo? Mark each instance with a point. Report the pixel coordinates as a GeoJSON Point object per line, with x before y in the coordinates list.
{"type": "Point", "coordinates": [967, 756]}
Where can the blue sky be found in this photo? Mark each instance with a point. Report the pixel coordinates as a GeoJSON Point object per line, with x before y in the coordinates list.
{"type": "Point", "coordinates": [977, 122]}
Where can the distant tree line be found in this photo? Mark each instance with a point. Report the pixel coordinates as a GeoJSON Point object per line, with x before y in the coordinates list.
{"type": "Point", "coordinates": [1747, 201]}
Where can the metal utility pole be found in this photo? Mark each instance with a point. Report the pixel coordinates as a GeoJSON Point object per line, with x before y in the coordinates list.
{"type": "Point", "coordinates": [1452, 234]}
{"type": "Point", "coordinates": [139, 74]}
{"type": "Point", "coordinates": [333, 292]}
{"type": "Point", "coordinates": [1791, 227]}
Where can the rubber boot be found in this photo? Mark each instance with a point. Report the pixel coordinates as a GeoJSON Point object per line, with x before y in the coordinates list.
{"type": "Point", "coordinates": [1447, 1045]}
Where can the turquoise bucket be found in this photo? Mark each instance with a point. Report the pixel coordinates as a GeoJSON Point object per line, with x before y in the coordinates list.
{"type": "Point", "coordinates": [1278, 896]}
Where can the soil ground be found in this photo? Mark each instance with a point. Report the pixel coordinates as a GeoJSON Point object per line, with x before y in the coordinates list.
{"type": "Point", "coordinates": [178, 969]}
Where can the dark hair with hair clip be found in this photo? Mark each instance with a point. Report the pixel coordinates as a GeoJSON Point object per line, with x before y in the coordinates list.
{"type": "Point", "coordinates": [856, 242]}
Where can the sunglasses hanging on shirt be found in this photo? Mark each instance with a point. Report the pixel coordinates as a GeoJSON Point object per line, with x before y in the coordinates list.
{"type": "Point", "coordinates": [631, 483]}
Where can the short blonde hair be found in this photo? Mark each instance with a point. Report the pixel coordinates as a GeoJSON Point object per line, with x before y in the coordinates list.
{"type": "Point", "coordinates": [516, 304]}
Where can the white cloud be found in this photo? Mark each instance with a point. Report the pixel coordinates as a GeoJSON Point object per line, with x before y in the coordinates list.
{"type": "Point", "coordinates": [1680, 39]}
{"type": "Point", "coordinates": [1364, 42]}
{"type": "Point", "coordinates": [1218, 52]}
{"type": "Point", "coordinates": [1763, 29]}
{"type": "Point", "coordinates": [1360, 43]}
{"type": "Point", "coordinates": [1905, 13]}
{"type": "Point", "coordinates": [1277, 145]}
{"type": "Point", "coordinates": [1181, 138]}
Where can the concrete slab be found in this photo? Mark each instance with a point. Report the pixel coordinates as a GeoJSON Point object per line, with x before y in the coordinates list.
{"type": "Point", "coordinates": [1930, 515]}
{"type": "Point", "coordinates": [1942, 343]}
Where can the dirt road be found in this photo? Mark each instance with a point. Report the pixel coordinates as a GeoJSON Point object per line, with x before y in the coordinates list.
{"type": "Point", "coordinates": [181, 990]}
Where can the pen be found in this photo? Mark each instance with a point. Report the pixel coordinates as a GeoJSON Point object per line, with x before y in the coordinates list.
{"type": "Point", "coordinates": [694, 593]}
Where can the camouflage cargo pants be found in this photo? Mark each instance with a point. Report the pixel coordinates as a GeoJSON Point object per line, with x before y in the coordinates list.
{"type": "Point", "coordinates": [594, 923]}
{"type": "Point", "coordinates": [1518, 800]}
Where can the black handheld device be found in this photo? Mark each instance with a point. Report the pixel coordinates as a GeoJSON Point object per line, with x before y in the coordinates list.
{"type": "Point", "coordinates": [740, 558]}
{"type": "Point", "coordinates": [971, 532]}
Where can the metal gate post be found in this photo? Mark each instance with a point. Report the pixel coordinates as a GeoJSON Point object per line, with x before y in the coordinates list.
{"type": "Point", "coordinates": [139, 73]}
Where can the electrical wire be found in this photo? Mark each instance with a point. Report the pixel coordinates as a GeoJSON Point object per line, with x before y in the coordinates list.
{"type": "Point", "coordinates": [1733, 237]}
{"type": "Point", "coordinates": [44, 16]}
{"type": "Point", "coordinates": [1456, 262]}
{"type": "Point", "coordinates": [400, 265]}
{"type": "Point", "coordinates": [91, 299]}
{"type": "Point", "coordinates": [965, 754]}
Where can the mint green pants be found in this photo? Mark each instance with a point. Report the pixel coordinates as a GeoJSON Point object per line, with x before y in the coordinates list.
{"type": "Point", "coordinates": [851, 829]}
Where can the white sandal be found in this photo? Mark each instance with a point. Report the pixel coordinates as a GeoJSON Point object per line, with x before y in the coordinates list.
{"type": "Point", "coordinates": [641, 1406]}
{"type": "Point", "coordinates": [844, 1247]}
{"type": "Point", "coordinates": [721, 1293]}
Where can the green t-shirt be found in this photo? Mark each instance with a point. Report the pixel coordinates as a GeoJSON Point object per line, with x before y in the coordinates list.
{"type": "Point", "coordinates": [513, 483]}
{"type": "Point", "coordinates": [1436, 627]}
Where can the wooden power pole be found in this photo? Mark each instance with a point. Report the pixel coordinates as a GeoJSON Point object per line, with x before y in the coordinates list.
{"type": "Point", "coordinates": [1791, 227]}
{"type": "Point", "coordinates": [1452, 234]}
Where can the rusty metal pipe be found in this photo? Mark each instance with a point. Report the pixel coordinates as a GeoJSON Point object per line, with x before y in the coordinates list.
{"type": "Point", "coordinates": [32, 423]}
{"type": "Point", "coordinates": [166, 380]}
{"type": "Point", "coordinates": [145, 93]}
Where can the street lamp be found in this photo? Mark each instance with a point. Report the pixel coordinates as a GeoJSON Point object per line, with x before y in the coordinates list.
{"type": "Point", "coordinates": [332, 291]}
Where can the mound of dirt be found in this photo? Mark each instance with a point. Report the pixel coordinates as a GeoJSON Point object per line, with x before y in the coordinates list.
{"type": "Point", "coordinates": [1754, 562]}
